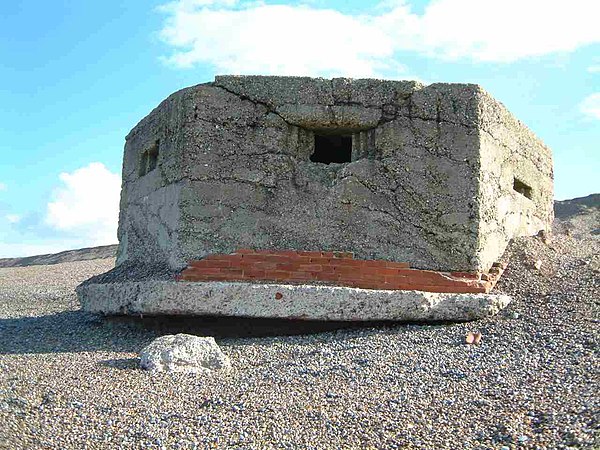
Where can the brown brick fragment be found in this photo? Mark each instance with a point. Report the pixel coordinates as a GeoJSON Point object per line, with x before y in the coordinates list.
{"type": "Point", "coordinates": [349, 255]}
{"type": "Point", "coordinates": [347, 262]}
{"type": "Point", "coordinates": [316, 260]}
{"type": "Point", "coordinates": [245, 251]}
{"type": "Point", "coordinates": [254, 274]}
{"type": "Point", "coordinates": [397, 265]}
{"type": "Point", "coordinates": [234, 271]}
{"type": "Point", "coordinates": [469, 275]}
{"type": "Point", "coordinates": [203, 270]}
{"type": "Point", "coordinates": [215, 257]}
{"type": "Point", "coordinates": [335, 268]}
{"type": "Point", "coordinates": [311, 254]}
{"type": "Point", "coordinates": [259, 265]}
{"type": "Point", "coordinates": [212, 263]}
{"type": "Point", "coordinates": [301, 277]}
{"type": "Point", "coordinates": [309, 267]}
{"type": "Point", "coordinates": [278, 274]}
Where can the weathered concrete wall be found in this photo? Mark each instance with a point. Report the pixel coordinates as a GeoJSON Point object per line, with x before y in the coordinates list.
{"type": "Point", "coordinates": [149, 217]}
{"type": "Point", "coordinates": [406, 196]}
{"type": "Point", "coordinates": [234, 170]}
{"type": "Point", "coordinates": [515, 183]}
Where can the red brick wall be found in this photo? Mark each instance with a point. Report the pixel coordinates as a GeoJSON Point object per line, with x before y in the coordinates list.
{"type": "Point", "coordinates": [333, 268]}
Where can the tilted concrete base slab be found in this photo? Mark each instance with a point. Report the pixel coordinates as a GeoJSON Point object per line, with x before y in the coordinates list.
{"type": "Point", "coordinates": [308, 302]}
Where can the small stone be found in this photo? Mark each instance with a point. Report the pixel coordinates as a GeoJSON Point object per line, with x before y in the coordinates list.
{"type": "Point", "coordinates": [183, 353]}
{"type": "Point", "coordinates": [523, 438]}
{"type": "Point", "coordinates": [545, 236]}
{"type": "Point", "coordinates": [473, 338]}
{"type": "Point", "coordinates": [538, 264]}
{"type": "Point", "coordinates": [48, 398]}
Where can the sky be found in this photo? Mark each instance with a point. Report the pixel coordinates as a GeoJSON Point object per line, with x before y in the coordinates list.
{"type": "Point", "coordinates": [75, 77]}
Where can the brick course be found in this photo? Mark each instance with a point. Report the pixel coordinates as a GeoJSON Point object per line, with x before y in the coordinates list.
{"type": "Point", "coordinates": [334, 268]}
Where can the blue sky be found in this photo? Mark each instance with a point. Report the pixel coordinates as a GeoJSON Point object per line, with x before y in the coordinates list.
{"type": "Point", "coordinates": [75, 77]}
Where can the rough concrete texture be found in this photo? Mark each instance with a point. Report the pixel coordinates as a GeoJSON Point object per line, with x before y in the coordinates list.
{"type": "Point", "coordinates": [307, 302]}
{"type": "Point", "coordinates": [183, 353]}
{"type": "Point", "coordinates": [516, 180]}
{"type": "Point", "coordinates": [431, 180]}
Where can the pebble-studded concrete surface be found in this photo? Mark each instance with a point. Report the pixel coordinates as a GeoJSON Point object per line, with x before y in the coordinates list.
{"type": "Point", "coordinates": [70, 380]}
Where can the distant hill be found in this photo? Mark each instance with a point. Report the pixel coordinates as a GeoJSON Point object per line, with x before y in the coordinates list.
{"type": "Point", "coordinates": [571, 213]}
{"type": "Point", "coordinates": [567, 208]}
{"type": "Point", "coordinates": [82, 254]}
{"type": "Point", "coordinates": [579, 217]}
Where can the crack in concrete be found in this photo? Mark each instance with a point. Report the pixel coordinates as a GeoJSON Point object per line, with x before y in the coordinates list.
{"type": "Point", "coordinates": [401, 219]}
{"type": "Point", "coordinates": [269, 108]}
{"type": "Point", "coordinates": [517, 150]}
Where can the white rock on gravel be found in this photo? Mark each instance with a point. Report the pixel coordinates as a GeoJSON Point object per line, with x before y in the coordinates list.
{"type": "Point", "coordinates": [184, 353]}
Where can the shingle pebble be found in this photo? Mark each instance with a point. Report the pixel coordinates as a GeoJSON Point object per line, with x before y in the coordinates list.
{"type": "Point", "coordinates": [71, 380]}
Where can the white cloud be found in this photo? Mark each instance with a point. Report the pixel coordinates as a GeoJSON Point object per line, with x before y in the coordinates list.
{"type": "Point", "coordinates": [87, 205]}
{"type": "Point", "coordinates": [13, 218]}
{"type": "Point", "coordinates": [590, 106]}
{"type": "Point", "coordinates": [594, 69]}
{"type": "Point", "coordinates": [277, 39]}
{"type": "Point", "coordinates": [2, 187]}
{"type": "Point", "coordinates": [501, 30]}
{"type": "Point", "coordinates": [302, 40]}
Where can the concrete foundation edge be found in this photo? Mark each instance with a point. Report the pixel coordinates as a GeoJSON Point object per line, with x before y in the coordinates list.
{"type": "Point", "coordinates": [308, 302]}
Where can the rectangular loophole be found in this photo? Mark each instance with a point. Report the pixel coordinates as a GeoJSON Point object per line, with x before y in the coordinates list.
{"type": "Point", "coordinates": [153, 156]}
{"type": "Point", "coordinates": [143, 164]}
{"type": "Point", "coordinates": [149, 159]}
{"type": "Point", "coordinates": [332, 148]}
{"type": "Point", "coordinates": [522, 188]}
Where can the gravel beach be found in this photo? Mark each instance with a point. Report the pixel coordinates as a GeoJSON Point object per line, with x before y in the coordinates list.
{"type": "Point", "coordinates": [71, 380]}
